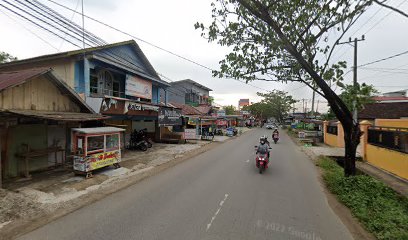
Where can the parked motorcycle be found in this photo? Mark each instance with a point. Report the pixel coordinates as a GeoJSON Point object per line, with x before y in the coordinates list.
{"type": "Point", "coordinates": [261, 160]}
{"type": "Point", "coordinates": [275, 137]}
{"type": "Point", "coordinates": [137, 141]}
{"type": "Point", "coordinates": [143, 133]}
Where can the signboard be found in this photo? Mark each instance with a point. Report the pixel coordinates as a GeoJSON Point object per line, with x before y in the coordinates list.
{"type": "Point", "coordinates": [190, 134]}
{"type": "Point", "coordinates": [221, 122]}
{"type": "Point", "coordinates": [104, 159]}
{"type": "Point", "coordinates": [131, 106]}
{"type": "Point", "coordinates": [97, 160]}
{"type": "Point", "coordinates": [150, 107]}
{"type": "Point", "coordinates": [244, 112]}
{"type": "Point", "coordinates": [138, 87]}
{"type": "Point", "coordinates": [169, 116]}
{"type": "Point", "coordinates": [221, 113]}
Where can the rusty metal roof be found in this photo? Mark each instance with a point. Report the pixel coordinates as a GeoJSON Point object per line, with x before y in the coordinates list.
{"type": "Point", "coordinates": [15, 78]}
{"type": "Point", "coordinates": [186, 109]}
{"type": "Point", "coordinates": [57, 116]}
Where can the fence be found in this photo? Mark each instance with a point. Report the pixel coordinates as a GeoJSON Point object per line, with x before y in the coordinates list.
{"type": "Point", "coordinates": [333, 134]}
{"type": "Point", "coordinates": [390, 138]}
{"type": "Point", "coordinates": [386, 147]}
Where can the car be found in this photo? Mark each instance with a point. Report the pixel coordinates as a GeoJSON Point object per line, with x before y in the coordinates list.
{"type": "Point", "coordinates": [270, 126]}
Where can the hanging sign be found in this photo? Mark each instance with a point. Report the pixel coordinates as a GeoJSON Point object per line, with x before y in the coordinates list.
{"type": "Point", "coordinates": [170, 117]}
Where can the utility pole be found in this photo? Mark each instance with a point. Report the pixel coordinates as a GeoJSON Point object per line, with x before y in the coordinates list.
{"type": "Point", "coordinates": [303, 106]}
{"type": "Point", "coordinates": [317, 107]}
{"type": "Point", "coordinates": [355, 117]}
{"type": "Point", "coordinates": [313, 100]}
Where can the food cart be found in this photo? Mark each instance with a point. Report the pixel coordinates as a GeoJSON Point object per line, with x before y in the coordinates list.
{"type": "Point", "coordinates": [95, 148]}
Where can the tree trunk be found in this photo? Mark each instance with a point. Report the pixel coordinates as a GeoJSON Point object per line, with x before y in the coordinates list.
{"type": "Point", "coordinates": [351, 141]}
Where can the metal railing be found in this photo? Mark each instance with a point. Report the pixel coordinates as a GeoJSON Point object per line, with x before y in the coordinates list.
{"type": "Point", "coordinates": [332, 130]}
{"type": "Point", "coordinates": [389, 137]}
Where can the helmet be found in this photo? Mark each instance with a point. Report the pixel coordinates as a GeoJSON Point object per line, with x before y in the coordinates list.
{"type": "Point", "coordinates": [263, 139]}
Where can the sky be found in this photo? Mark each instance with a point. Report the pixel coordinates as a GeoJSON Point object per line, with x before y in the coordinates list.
{"type": "Point", "coordinates": [170, 25]}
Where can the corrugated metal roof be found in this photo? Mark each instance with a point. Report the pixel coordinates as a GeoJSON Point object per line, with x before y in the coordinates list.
{"type": "Point", "coordinates": [98, 130]}
{"type": "Point", "coordinates": [14, 78]}
{"type": "Point", "coordinates": [57, 116]}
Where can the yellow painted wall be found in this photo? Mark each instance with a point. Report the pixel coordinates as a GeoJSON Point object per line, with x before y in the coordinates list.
{"type": "Point", "coordinates": [402, 123]}
{"type": "Point", "coordinates": [330, 139]}
{"type": "Point", "coordinates": [389, 160]}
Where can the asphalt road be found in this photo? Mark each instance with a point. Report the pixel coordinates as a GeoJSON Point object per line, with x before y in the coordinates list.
{"type": "Point", "coordinates": [216, 195]}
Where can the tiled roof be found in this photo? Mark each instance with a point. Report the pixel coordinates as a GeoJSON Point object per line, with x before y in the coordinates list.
{"type": "Point", "coordinates": [392, 110]}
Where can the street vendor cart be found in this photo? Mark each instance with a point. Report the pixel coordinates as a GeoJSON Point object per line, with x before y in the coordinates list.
{"type": "Point", "coordinates": [95, 148]}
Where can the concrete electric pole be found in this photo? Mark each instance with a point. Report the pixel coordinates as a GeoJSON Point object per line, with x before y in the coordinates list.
{"type": "Point", "coordinates": [354, 73]}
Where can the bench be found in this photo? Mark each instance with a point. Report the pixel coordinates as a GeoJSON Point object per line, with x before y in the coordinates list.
{"type": "Point", "coordinates": [29, 154]}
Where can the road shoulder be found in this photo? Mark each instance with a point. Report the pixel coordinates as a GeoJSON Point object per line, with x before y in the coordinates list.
{"type": "Point", "coordinates": [353, 225]}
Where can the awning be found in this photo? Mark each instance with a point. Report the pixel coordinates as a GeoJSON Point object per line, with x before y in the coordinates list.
{"type": "Point", "coordinates": [57, 116]}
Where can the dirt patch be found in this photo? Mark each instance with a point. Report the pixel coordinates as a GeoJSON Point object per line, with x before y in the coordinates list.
{"type": "Point", "coordinates": [11, 206]}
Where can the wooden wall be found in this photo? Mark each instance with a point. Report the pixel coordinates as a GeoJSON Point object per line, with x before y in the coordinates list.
{"type": "Point", "coordinates": [63, 68]}
{"type": "Point", "coordinates": [37, 94]}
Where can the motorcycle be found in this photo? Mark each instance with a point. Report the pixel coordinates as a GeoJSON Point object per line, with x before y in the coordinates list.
{"type": "Point", "coordinates": [262, 160]}
{"type": "Point", "coordinates": [275, 137]}
{"type": "Point", "coordinates": [143, 134]}
{"type": "Point", "coordinates": [137, 141]}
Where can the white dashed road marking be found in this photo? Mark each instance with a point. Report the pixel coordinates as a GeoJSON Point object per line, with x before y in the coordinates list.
{"type": "Point", "coordinates": [218, 211]}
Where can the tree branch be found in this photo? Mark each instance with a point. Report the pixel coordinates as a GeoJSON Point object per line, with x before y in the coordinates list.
{"type": "Point", "coordinates": [391, 8]}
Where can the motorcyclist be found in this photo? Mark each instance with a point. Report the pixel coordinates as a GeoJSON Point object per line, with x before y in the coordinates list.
{"type": "Point", "coordinates": [263, 146]}
{"type": "Point", "coordinates": [275, 132]}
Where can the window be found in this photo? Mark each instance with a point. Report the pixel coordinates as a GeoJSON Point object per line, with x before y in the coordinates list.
{"type": "Point", "coordinates": [95, 144]}
{"type": "Point", "coordinates": [112, 141]}
{"type": "Point", "coordinates": [80, 145]}
{"type": "Point", "coordinates": [116, 88]}
{"type": "Point", "coordinates": [93, 83]}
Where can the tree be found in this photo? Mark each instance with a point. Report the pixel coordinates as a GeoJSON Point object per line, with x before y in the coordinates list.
{"type": "Point", "coordinates": [288, 41]}
{"type": "Point", "coordinates": [5, 57]}
{"type": "Point", "coordinates": [260, 110]}
{"type": "Point", "coordinates": [363, 95]}
{"type": "Point", "coordinates": [279, 103]}
{"type": "Point", "coordinates": [229, 110]}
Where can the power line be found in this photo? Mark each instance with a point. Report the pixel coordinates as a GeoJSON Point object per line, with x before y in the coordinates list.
{"type": "Point", "coordinates": [72, 18]}
{"type": "Point", "coordinates": [384, 59]}
{"type": "Point", "coordinates": [384, 17]}
{"type": "Point", "coordinates": [38, 25]}
{"type": "Point", "coordinates": [130, 35]}
{"type": "Point", "coordinates": [22, 25]}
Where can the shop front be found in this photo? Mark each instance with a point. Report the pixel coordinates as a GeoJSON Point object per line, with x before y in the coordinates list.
{"type": "Point", "coordinates": [170, 123]}
{"type": "Point", "coordinates": [131, 115]}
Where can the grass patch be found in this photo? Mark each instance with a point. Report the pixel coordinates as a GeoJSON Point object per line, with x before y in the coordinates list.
{"type": "Point", "coordinates": [382, 211]}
